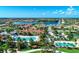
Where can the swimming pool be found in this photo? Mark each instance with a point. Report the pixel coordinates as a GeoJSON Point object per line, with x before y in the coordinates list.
{"type": "Point", "coordinates": [65, 44]}
{"type": "Point", "coordinates": [26, 38]}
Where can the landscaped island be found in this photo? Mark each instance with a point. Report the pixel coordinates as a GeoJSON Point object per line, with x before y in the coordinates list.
{"type": "Point", "coordinates": [39, 35]}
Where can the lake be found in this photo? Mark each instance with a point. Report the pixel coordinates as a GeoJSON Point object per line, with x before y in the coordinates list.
{"type": "Point", "coordinates": [54, 23]}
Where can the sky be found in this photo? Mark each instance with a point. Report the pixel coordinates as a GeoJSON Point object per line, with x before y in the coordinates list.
{"type": "Point", "coordinates": [39, 11]}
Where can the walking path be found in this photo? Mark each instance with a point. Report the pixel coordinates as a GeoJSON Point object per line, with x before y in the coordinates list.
{"type": "Point", "coordinates": [33, 50]}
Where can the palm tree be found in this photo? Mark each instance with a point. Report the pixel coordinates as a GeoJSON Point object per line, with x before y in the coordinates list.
{"type": "Point", "coordinates": [70, 35]}
{"type": "Point", "coordinates": [18, 44]}
{"type": "Point", "coordinates": [1, 37]}
{"type": "Point", "coordinates": [11, 44]}
{"type": "Point", "coordinates": [1, 42]}
{"type": "Point", "coordinates": [31, 42]}
{"type": "Point", "coordinates": [42, 39]}
{"type": "Point", "coordinates": [25, 43]}
{"type": "Point", "coordinates": [9, 41]}
{"type": "Point", "coordinates": [44, 42]}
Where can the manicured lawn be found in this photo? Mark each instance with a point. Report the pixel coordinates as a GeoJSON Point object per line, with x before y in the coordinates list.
{"type": "Point", "coordinates": [68, 50]}
{"type": "Point", "coordinates": [26, 49]}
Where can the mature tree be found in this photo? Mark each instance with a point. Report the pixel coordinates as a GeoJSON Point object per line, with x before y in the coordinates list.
{"type": "Point", "coordinates": [1, 38]}
{"type": "Point", "coordinates": [70, 36]}
{"type": "Point", "coordinates": [5, 47]}
{"type": "Point", "coordinates": [31, 41]}
{"type": "Point", "coordinates": [1, 49]}
{"type": "Point", "coordinates": [9, 29]}
{"type": "Point", "coordinates": [9, 41]}
{"type": "Point", "coordinates": [18, 44]}
{"type": "Point", "coordinates": [25, 43]}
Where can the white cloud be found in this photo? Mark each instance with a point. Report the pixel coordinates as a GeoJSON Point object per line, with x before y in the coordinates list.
{"type": "Point", "coordinates": [70, 8]}
{"type": "Point", "coordinates": [58, 12]}
{"type": "Point", "coordinates": [68, 11]}
{"type": "Point", "coordinates": [62, 12]}
{"type": "Point", "coordinates": [55, 12]}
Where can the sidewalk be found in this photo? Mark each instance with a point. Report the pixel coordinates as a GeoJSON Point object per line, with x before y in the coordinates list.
{"type": "Point", "coordinates": [29, 51]}
{"type": "Point", "coordinates": [33, 50]}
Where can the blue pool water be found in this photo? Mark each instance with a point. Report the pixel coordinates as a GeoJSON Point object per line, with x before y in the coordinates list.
{"type": "Point", "coordinates": [65, 44]}
{"type": "Point", "coordinates": [26, 38]}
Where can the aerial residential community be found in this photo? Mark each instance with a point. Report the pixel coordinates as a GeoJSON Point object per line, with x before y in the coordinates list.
{"type": "Point", "coordinates": [39, 29]}
{"type": "Point", "coordinates": [39, 35]}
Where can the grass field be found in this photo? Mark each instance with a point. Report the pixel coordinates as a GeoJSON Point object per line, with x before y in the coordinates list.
{"type": "Point", "coordinates": [68, 50]}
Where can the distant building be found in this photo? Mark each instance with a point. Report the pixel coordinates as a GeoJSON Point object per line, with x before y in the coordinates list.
{"type": "Point", "coordinates": [3, 33]}
{"type": "Point", "coordinates": [62, 21]}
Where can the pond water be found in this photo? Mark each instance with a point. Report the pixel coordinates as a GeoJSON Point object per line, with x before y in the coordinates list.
{"type": "Point", "coordinates": [46, 23]}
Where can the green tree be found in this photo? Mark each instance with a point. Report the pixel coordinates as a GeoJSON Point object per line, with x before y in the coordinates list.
{"type": "Point", "coordinates": [18, 44]}
{"type": "Point", "coordinates": [31, 41]}
{"type": "Point", "coordinates": [5, 47]}
{"type": "Point", "coordinates": [9, 41]}
{"type": "Point", "coordinates": [70, 36]}
{"type": "Point", "coordinates": [25, 43]}
{"type": "Point", "coordinates": [1, 50]}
